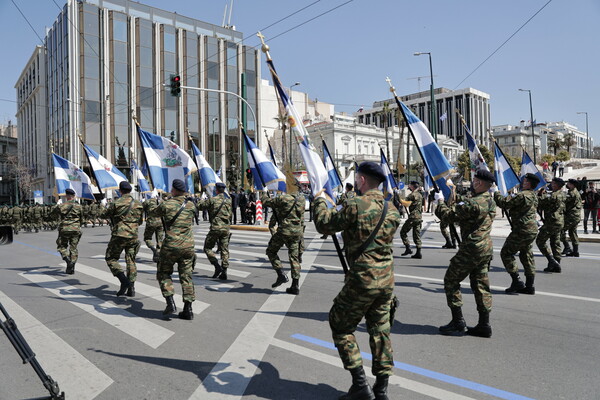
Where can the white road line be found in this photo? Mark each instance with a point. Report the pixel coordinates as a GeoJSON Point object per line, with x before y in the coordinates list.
{"type": "Point", "coordinates": [405, 383]}
{"type": "Point", "coordinates": [466, 284]}
{"type": "Point", "coordinates": [251, 344]}
{"type": "Point", "coordinates": [141, 329]}
{"type": "Point", "coordinates": [61, 361]}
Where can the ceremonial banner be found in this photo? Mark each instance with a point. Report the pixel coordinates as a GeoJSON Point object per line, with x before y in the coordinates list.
{"type": "Point", "coordinates": [141, 179]}
{"type": "Point", "coordinates": [69, 175]}
{"type": "Point", "coordinates": [265, 173]}
{"type": "Point", "coordinates": [106, 174]}
{"type": "Point", "coordinates": [506, 179]}
{"type": "Point", "coordinates": [527, 166]}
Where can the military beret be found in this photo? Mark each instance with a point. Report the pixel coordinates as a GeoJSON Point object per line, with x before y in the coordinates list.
{"type": "Point", "coordinates": [124, 185]}
{"type": "Point", "coordinates": [178, 185]}
{"type": "Point", "coordinates": [371, 169]}
{"type": "Point", "coordinates": [415, 183]}
{"type": "Point", "coordinates": [70, 192]}
{"type": "Point", "coordinates": [533, 178]}
{"type": "Point", "coordinates": [220, 185]}
{"type": "Point", "coordinates": [485, 175]}
{"type": "Point", "coordinates": [559, 181]}
{"type": "Point", "coordinates": [574, 181]}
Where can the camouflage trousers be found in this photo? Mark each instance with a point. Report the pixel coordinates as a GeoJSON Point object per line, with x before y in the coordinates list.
{"type": "Point", "coordinates": [293, 244]}
{"type": "Point", "coordinates": [186, 261]}
{"type": "Point", "coordinates": [519, 242]}
{"type": "Point", "coordinates": [468, 263]}
{"type": "Point", "coordinates": [116, 245]}
{"type": "Point", "coordinates": [68, 241]}
{"type": "Point", "coordinates": [349, 308]}
{"type": "Point", "coordinates": [415, 225]}
{"type": "Point", "coordinates": [221, 239]}
{"type": "Point", "coordinates": [571, 227]}
{"type": "Point", "coordinates": [150, 231]}
{"type": "Point", "coordinates": [553, 233]}
{"type": "Point", "coordinates": [445, 231]}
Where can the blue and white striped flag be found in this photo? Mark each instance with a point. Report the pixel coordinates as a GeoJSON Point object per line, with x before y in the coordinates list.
{"type": "Point", "coordinates": [69, 175]}
{"type": "Point", "coordinates": [141, 179]}
{"type": "Point", "coordinates": [477, 160]}
{"type": "Point", "coordinates": [527, 166]}
{"type": "Point", "coordinates": [334, 179]}
{"type": "Point", "coordinates": [106, 174]}
{"type": "Point", "coordinates": [506, 179]}
{"type": "Point", "coordinates": [208, 177]}
{"type": "Point", "coordinates": [390, 182]}
{"type": "Point", "coordinates": [265, 173]}
{"type": "Point", "coordinates": [166, 161]}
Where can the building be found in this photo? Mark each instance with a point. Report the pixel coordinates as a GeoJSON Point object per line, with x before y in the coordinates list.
{"type": "Point", "coordinates": [8, 153]}
{"type": "Point", "coordinates": [582, 146]}
{"type": "Point", "coordinates": [513, 139]}
{"type": "Point", "coordinates": [104, 62]}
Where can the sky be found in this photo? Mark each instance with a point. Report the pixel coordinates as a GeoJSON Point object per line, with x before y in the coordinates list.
{"type": "Point", "coordinates": [344, 56]}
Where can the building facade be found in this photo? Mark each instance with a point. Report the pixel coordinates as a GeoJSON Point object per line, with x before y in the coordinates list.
{"type": "Point", "coordinates": [513, 139]}
{"type": "Point", "coordinates": [106, 62]}
{"type": "Point", "coordinates": [8, 152]}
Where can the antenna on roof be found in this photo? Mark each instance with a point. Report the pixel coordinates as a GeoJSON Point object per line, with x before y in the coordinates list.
{"type": "Point", "coordinates": [230, 12]}
{"type": "Point", "coordinates": [224, 16]}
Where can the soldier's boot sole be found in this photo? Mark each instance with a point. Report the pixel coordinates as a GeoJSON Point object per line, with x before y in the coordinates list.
{"type": "Point", "coordinates": [484, 331]}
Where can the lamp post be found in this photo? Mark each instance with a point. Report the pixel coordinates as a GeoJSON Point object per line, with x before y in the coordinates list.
{"type": "Point", "coordinates": [587, 133]}
{"type": "Point", "coordinates": [433, 114]}
{"type": "Point", "coordinates": [290, 95]}
{"type": "Point", "coordinates": [213, 142]}
{"type": "Point", "coordinates": [531, 116]}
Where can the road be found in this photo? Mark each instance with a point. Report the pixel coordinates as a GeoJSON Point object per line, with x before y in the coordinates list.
{"type": "Point", "coordinates": [248, 341]}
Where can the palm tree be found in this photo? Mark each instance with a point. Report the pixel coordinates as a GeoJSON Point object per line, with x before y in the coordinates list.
{"type": "Point", "coordinates": [282, 122]}
{"type": "Point", "coordinates": [555, 143]}
{"type": "Point", "coordinates": [569, 141]}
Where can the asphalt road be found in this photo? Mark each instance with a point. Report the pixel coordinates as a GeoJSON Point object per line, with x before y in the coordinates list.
{"type": "Point", "coordinates": [249, 341]}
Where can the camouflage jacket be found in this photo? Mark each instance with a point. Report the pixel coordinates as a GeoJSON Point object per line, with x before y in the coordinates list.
{"type": "Point", "coordinates": [149, 206]}
{"type": "Point", "coordinates": [474, 215]}
{"type": "Point", "coordinates": [553, 207]}
{"type": "Point", "coordinates": [37, 211]}
{"type": "Point", "coordinates": [219, 211]}
{"type": "Point", "coordinates": [125, 215]}
{"type": "Point", "coordinates": [70, 215]}
{"type": "Point", "coordinates": [374, 267]}
{"type": "Point", "coordinates": [522, 209]}
{"type": "Point", "coordinates": [345, 196]}
{"type": "Point", "coordinates": [17, 212]}
{"type": "Point", "coordinates": [290, 217]}
{"type": "Point", "coordinates": [573, 205]}
{"type": "Point", "coordinates": [415, 210]}
{"type": "Point", "coordinates": [179, 234]}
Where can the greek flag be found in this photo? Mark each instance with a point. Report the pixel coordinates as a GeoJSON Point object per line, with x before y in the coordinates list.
{"type": "Point", "coordinates": [527, 166]}
{"type": "Point", "coordinates": [141, 179]}
{"type": "Point", "coordinates": [265, 173]}
{"type": "Point", "coordinates": [69, 175]}
{"type": "Point", "coordinates": [208, 177]}
{"type": "Point", "coordinates": [390, 182]}
{"type": "Point", "coordinates": [506, 178]}
{"type": "Point", "coordinates": [107, 175]}
{"type": "Point", "coordinates": [477, 160]}
{"type": "Point", "coordinates": [334, 179]}
{"type": "Point", "coordinates": [166, 161]}
{"type": "Point", "coordinates": [317, 173]}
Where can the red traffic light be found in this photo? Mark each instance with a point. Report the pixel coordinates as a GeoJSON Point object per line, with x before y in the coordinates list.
{"type": "Point", "coordinates": [175, 85]}
{"type": "Point", "coordinates": [176, 78]}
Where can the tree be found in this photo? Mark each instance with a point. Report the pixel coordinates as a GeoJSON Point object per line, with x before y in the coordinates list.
{"type": "Point", "coordinates": [563, 156]}
{"type": "Point", "coordinates": [23, 175]}
{"type": "Point", "coordinates": [569, 141]}
{"type": "Point", "coordinates": [549, 158]}
{"type": "Point", "coordinates": [464, 161]}
{"type": "Point", "coordinates": [555, 143]}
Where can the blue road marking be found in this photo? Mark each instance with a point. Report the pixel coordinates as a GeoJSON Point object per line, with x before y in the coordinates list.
{"type": "Point", "coordinates": [54, 253]}
{"type": "Point", "coordinates": [427, 373]}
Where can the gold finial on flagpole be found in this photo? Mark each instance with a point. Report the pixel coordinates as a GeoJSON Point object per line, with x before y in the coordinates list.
{"type": "Point", "coordinates": [134, 117]}
{"type": "Point", "coordinates": [265, 46]}
{"type": "Point", "coordinates": [392, 88]}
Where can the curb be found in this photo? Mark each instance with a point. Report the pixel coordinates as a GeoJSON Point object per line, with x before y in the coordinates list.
{"type": "Point", "coordinates": [249, 228]}
{"type": "Point", "coordinates": [589, 240]}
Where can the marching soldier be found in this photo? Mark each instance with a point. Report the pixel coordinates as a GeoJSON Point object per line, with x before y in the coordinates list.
{"type": "Point", "coordinates": [125, 215]}
{"type": "Point", "coordinates": [17, 218]}
{"type": "Point", "coordinates": [178, 247]}
{"type": "Point", "coordinates": [553, 207]}
{"type": "Point", "coordinates": [368, 226]}
{"type": "Point", "coordinates": [414, 202]}
{"type": "Point", "coordinates": [522, 209]}
{"type": "Point", "coordinates": [154, 227]}
{"type": "Point", "coordinates": [37, 215]}
{"type": "Point", "coordinates": [219, 213]}
{"type": "Point", "coordinates": [70, 215]}
{"type": "Point", "coordinates": [475, 216]}
{"type": "Point", "coordinates": [573, 205]}
{"type": "Point", "coordinates": [349, 194]}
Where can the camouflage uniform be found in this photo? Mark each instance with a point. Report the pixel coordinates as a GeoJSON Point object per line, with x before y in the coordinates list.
{"type": "Point", "coordinates": [522, 209]}
{"type": "Point", "coordinates": [414, 220]}
{"type": "Point", "coordinates": [37, 216]}
{"type": "Point", "coordinates": [553, 207]}
{"type": "Point", "coordinates": [573, 206]}
{"type": "Point", "coordinates": [475, 216]}
{"type": "Point", "coordinates": [69, 230]}
{"type": "Point", "coordinates": [219, 214]}
{"type": "Point", "coordinates": [369, 286]}
{"type": "Point", "coordinates": [178, 247]}
{"type": "Point", "coordinates": [350, 194]}
{"type": "Point", "coordinates": [125, 214]}
{"type": "Point", "coordinates": [17, 218]}
{"type": "Point", "coordinates": [154, 225]}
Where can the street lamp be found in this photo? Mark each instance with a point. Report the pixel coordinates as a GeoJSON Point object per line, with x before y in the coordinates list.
{"type": "Point", "coordinates": [531, 116]}
{"type": "Point", "coordinates": [587, 134]}
{"type": "Point", "coordinates": [290, 95]}
{"type": "Point", "coordinates": [433, 119]}
{"type": "Point", "coordinates": [213, 142]}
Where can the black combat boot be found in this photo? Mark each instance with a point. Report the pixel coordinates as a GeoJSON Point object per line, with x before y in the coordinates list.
{"type": "Point", "coordinates": [380, 387]}
{"type": "Point", "coordinates": [294, 289]}
{"type": "Point", "coordinates": [223, 275]}
{"type": "Point", "coordinates": [218, 269]}
{"type": "Point", "coordinates": [171, 308]}
{"type": "Point", "coordinates": [529, 288]}
{"type": "Point", "coordinates": [281, 279]}
{"type": "Point", "coordinates": [553, 265]}
{"type": "Point", "coordinates": [131, 290]}
{"type": "Point", "coordinates": [516, 285]}
{"type": "Point", "coordinates": [575, 252]}
{"type": "Point", "coordinates": [448, 245]}
{"type": "Point", "coordinates": [418, 254]}
{"type": "Point", "coordinates": [567, 251]}
{"type": "Point", "coordinates": [407, 252]}
{"type": "Point", "coordinates": [457, 326]}
{"type": "Point", "coordinates": [483, 327]}
{"type": "Point", "coordinates": [187, 311]}
{"type": "Point", "coordinates": [125, 283]}
{"type": "Point", "coordinates": [70, 266]}
{"type": "Point", "coordinates": [154, 253]}
{"type": "Point", "coordinates": [360, 389]}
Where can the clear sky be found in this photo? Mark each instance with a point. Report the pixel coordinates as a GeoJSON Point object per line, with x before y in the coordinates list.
{"type": "Point", "coordinates": [343, 57]}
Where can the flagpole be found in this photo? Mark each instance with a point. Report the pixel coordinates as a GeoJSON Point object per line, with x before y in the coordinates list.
{"type": "Point", "coordinates": [194, 157]}
{"type": "Point", "coordinates": [92, 168]}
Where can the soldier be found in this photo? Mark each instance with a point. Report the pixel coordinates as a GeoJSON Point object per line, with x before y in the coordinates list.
{"type": "Point", "coordinates": [522, 209]}
{"type": "Point", "coordinates": [178, 247]}
{"type": "Point", "coordinates": [37, 216]}
{"type": "Point", "coordinates": [288, 209]}
{"type": "Point", "coordinates": [414, 202]}
{"type": "Point", "coordinates": [69, 230]}
{"type": "Point", "coordinates": [368, 227]}
{"type": "Point", "coordinates": [573, 205]}
{"type": "Point", "coordinates": [553, 207]}
{"type": "Point", "coordinates": [154, 226]}
{"type": "Point", "coordinates": [219, 214]}
{"type": "Point", "coordinates": [17, 218]}
{"type": "Point", "coordinates": [475, 216]}
{"type": "Point", "coordinates": [125, 215]}
{"type": "Point", "coordinates": [349, 194]}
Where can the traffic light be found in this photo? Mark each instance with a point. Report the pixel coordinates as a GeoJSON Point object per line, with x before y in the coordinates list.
{"type": "Point", "coordinates": [175, 85]}
{"type": "Point", "coordinates": [248, 174]}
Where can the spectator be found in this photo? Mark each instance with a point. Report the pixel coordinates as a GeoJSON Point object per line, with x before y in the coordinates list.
{"type": "Point", "coordinates": [591, 203]}
{"type": "Point", "coordinates": [242, 202]}
{"type": "Point", "coordinates": [545, 166]}
{"type": "Point", "coordinates": [234, 205]}
{"type": "Point", "coordinates": [430, 198]}
{"type": "Point", "coordinates": [554, 168]}
{"type": "Point", "coordinates": [561, 168]}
